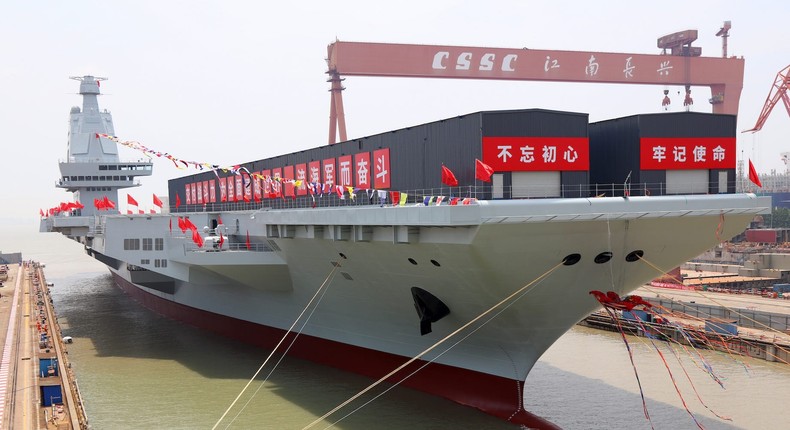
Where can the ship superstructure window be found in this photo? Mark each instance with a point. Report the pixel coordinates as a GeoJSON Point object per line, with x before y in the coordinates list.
{"type": "Point", "coordinates": [148, 244]}
{"type": "Point", "coordinates": [159, 244]}
{"type": "Point", "coordinates": [160, 262]}
{"type": "Point", "coordinates": [145, 261]}
{"type": "Point", "coordinates": [131, 244]}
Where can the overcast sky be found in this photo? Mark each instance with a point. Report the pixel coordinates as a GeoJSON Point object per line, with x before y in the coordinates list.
{"type": "Point", "coordinates": [226, 82]}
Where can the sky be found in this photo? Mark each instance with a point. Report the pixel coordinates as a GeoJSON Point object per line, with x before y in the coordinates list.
{"type": "Point", "coordinates": [226, 82]}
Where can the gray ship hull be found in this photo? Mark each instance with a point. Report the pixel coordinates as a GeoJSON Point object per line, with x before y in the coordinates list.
{"type": "Point", "coordinates": [497, 265]}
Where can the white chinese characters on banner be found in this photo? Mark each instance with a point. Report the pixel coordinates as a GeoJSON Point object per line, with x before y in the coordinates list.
{"type": "Point", "coordinates": [687, 153]}
{"type": "Point", "coordinates": [536, 153]}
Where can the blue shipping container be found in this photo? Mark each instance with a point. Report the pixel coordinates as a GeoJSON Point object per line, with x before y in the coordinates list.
{"type": "Point", "coordinates": [782, 288]}
{"type": "Point", "coordinates": [722, 327]}
{"type": "Point", "coordinates": [635, 314]}
{"type": "Point", "coordinates": [48, 367]}
{"type": "Point", "coordinates": [51, 394]}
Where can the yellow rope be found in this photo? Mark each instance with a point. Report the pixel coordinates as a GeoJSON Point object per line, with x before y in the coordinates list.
{"type": "Point", "coordinates": [415, 358]}
{"type": "Point", "coordinates": [335, 266]}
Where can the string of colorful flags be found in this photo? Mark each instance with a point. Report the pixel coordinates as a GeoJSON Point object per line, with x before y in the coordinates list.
{"type": "Point", "coordinates": [482, 172]}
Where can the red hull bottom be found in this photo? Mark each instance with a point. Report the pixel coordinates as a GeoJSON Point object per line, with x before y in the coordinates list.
{"type": "Point", "coordinates": [494, 395]}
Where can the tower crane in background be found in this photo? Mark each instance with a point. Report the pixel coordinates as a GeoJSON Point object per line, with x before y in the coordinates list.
{"type": "Point", "coordinates": [683, 65]}
{"type": "Point", "coordinates": [778, 91]}
{"type": "Point", "coordinates": [724, 33]}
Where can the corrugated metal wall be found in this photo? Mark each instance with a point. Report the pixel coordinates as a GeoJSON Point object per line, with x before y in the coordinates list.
{"type": "Point", "coordinates": [417, 153]}
{"type": "Point", "coordinates": [614, 148]}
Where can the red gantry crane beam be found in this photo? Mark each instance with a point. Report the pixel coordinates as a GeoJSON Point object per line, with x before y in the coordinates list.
{"type": "Point", "coordinates": [778, 91]}
{"type": "Point", "coordinates": [724, 76]}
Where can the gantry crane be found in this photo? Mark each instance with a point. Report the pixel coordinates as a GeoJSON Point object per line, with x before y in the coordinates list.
{"type": "Point", "coordinates": [778, 91]}
{"type": "Point", "coordinates": [683, 66]}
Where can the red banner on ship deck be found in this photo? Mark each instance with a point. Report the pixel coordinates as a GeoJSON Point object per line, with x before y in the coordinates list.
{"type": "Point", "coordinates": [301, 175]}
{"type": "Point", "coordinates": [362, 169]}
{"type": "Point", "coordinates": [686, 153]}
{"type": "Point", "coordinates": [529, 153]}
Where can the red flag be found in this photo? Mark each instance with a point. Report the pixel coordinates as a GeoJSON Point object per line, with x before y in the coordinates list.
{"type": "Point", "coordinates": [182, 225]}
{"type": "Point", "coordinates": [219, 219]}
{"type": "Point", "coordinates": [41, 212]}
{"type": "Point", "coordinates": [140, 211]}
{"type": "Point", "coordinates": [157, 202]}
{"type": "Point", "coordinates": [448, 178]}
{"type": "Point", "coordinates": [249, 246]}
{"type": "Point", "coordinates": [221, 240]}
{"type": "Point", "coordinates": [197, 238]}
{"type": "Point", "coordinates": [128, 211]}
{"type": "Point", "coordinates": [170, 223]}
{"type": "Point", "coordinates": [178, 201]}
{"type": "Point", "coordinates": [483, 171]}
{"type": "Point", "coordinates": [108, 204]}
{"type": "Point", "coordinates": [130, 200]}
{"type": "Point", "coordinates": [152, 211]}
{"type": "Point", "coordinates": [753, 175]}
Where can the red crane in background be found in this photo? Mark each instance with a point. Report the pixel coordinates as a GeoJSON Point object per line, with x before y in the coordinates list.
{"type": "Point", "coordinates": [778, 91]}
{"type": "Point", "coordinates": [683, 65]}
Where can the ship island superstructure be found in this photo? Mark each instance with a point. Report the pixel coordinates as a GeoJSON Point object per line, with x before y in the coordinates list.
{"type": "Point", "coordinates": [400, 272]}
{"type": "Point", "coordinates": [93, 169]}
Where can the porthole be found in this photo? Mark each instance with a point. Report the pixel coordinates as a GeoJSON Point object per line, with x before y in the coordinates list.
{"type": "Point", "coordinates": [603, 257]}
{"type": "Point", "coordinates": [634, 255]}
{"type": "Point", "coordinates": [435, 263]}
{"type": "Point", "coordinates": [343, 256]}
{"type": "Point", "coordinates": [571, 259]}
{"type": "Point", "coordinates": [413, 261]}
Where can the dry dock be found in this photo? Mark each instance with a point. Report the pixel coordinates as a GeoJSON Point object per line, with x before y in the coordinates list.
{"type": "Point", "coordinates": [751, 325]}
{"type": "Point", "coordinates": [37, 387]}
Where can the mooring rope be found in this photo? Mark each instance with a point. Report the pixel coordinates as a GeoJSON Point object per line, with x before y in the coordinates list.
{"type": "Point", "coordinates": [473, 331]}
{"type": "Point", "coordinates": [279, 360]}
{"type": "Point", "coordinates": [328, 277]}
{"type": "Point", "coordinates": [429, 349]}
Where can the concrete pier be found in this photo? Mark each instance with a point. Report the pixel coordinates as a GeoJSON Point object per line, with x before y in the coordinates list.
{"type": "Point", "coordinates": [37, 387]}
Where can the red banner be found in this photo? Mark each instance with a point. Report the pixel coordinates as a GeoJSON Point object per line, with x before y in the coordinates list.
{"type": "Point", "coordinates": [301, 175]}
{"type": "Point", "coordinates": [314, 171]}
{"type": "Point", "coordinates": [256, 186]}
{"type": "Point", "coordinates": [362, 170]}
{"type": "Point", "coordinates": [267, 183]}
{"type": "Point", "coordinates": [344, 170]}
{"type": "Point", "coordinates": [277, 188]}
{"type": "Point", "coordinates": [239, 188]}
{"type": "Point", "coordinates": [189, 194]}
{"type": "Point", "coordinates": [329, 171]}
{"type": "Point", "coordinates": [231, 193]}
{"type": "Point", "coordinates": [288, 173]}
{"type": "Point", "coordinates": [381, 168]}
{"type": "Point", "coordinates": [516, 154]}
{"type": "Point", "coordinates": [686, 153]}
{"type": "Point", "coordinates": [223, 196]}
